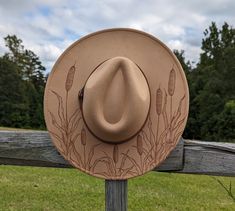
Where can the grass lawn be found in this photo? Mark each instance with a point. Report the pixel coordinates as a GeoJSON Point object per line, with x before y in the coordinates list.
{"type": "Point", "coordinates": [33, 188]}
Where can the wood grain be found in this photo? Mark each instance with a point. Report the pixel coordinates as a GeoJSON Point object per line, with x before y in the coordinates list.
{"type": "Point", "coordinates": [211, 158]}
{"type": "Point", "coordinates": [115, 195]}
{"type": "Point", "coordinates": [29, 148]}
{"type": "Point", "coordinates": [34, 148]}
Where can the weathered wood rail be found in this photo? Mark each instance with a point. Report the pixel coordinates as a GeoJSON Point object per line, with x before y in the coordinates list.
{"type": "Point", "coordinates": [34, 148]}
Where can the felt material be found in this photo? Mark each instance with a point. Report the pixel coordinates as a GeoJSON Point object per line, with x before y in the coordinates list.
{"type": "Point", "coordinates": [116, 103]}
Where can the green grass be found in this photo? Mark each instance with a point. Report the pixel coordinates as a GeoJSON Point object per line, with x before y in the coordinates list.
{"type": "Point", "coordinates": [32, 188]}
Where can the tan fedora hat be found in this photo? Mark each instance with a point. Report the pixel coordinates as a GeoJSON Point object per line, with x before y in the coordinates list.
{"type": "Point", "coordinates": [116, 103]}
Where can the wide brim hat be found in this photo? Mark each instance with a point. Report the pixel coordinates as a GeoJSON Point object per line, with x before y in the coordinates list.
{"type": "Point", "coordinates": [116, 103]}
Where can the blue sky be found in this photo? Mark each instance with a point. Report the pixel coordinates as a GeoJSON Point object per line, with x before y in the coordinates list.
{"type": "Point", "coordinates": [49, 27]}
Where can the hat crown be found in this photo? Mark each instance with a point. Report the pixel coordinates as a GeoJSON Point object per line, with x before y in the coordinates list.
{"type": "Point", "coordinates": [116, 100]}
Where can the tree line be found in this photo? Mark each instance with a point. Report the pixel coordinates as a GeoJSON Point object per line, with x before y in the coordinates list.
{"type": "Point", "coordinates": [211, 84]}
{"type": "Point", "coordinates": [22, 85]}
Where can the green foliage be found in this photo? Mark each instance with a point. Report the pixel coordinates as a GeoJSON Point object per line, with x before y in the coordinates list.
{"type": "Point", "coordinates": [212, 87]}
{"type": "Point", "coordinates": [226, 122]}
{"type": "Point", "coordinates": [13, 106]}
{"type": "Point", "coordinates": [30, 67]}
{"type": "Point", "coordinates": [21, 87]}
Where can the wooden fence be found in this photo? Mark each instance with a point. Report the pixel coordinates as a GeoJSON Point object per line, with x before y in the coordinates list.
{"type": "Point", "coordinates": [34, 148]}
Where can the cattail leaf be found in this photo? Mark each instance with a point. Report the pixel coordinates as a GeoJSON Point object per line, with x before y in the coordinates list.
{"type": "Point", "coordinates": [75, 125]}
{"type": "Point", "coordinates": [180, 104]}
{"type": "Point", "coordinates": [74, 116]}
{"type": "Point", "coordinates": [60, 107]}
{"type": "Point", "coordinates": [54, 122]}
{"type": "Point", "coordinates": [91, 154]}
{"type": "Point", "coordinates": [74, 138]}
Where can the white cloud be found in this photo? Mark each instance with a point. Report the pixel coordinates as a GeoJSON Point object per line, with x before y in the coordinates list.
{"type": "Point", "coordinates": [48, 27]}
{"type": "Point", "coordinates": [173, 30]}
{"type": "Point", "coordinates": [49, 52]}
{"type": "Point", "coordinates": [175, 44]}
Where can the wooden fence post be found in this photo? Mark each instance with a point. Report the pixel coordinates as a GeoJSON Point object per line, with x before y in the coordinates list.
{"type": "Point", "coordinates": [116, 195]}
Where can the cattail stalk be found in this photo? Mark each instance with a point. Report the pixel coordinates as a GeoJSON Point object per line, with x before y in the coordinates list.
{"type": "Point", "coordinates": [115, 154]}
{"type": "Point", "coordinates": [68, 86]}
{"type": "Point", "coordinates": [159, 101]}
{"type": "Point", "coordinates": [171, 90]}
{"type": "Point", "coordinates": [140, 150]}
{"type": "Point", "coordinates": [159, 111]}
{"type": "Point", "coordinates": [83, 141]}
{"type": "Point", "coordinates": [91, 154]}
{"type": "Point", "coordinates": [140, 145]}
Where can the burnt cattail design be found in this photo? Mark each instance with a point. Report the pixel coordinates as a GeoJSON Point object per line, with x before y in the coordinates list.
{"type": "Point", "coordinates": [171, 82]}
{"type": "Point", "coordinates": [140, 145]}
{"type": "Point", "coordinates": [159, 101]}
{"type": "Point", "coordinates": [115, 153]}
{"type": "Point", "coordinates": [52, 118]}
{"type": "Point", "coordinates": [83, 136]}
{"type": "Point", "coordinates": [70, 77]}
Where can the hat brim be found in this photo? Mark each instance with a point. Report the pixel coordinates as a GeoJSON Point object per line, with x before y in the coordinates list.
{"type": "Point", "coordinates": [167, 114]}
